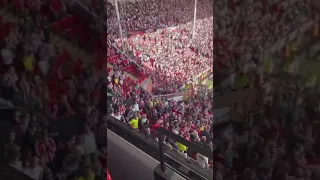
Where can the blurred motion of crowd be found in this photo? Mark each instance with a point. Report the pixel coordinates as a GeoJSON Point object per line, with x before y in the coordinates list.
{"type": "Point", "coordinates": [49, 114]}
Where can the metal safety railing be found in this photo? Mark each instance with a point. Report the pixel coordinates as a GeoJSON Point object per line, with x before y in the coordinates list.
{"type": "Point", "coordinates": [186, 166]}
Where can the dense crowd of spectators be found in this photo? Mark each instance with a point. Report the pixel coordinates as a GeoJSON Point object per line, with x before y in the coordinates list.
{"type": "Point", "coordinates": [57, 117]}
{"type": "Point", "coordinates": [244, 29]}
{"type": "Point", "coordinates": [191, 118]}
{"type": "Point", "coordinates": [171, 59]}
{"type": "Point", "coordinates": [168, 55]}
{"type": "Point", "coordinates": [272, 136]}
{"type": "Point", "coordinates": [278, 141]}
{"type": "Point", "coordinates": [151, 15]}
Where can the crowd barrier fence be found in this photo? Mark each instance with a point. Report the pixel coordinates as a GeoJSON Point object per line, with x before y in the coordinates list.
{"type": "Point", "coordinates": [187, 166]}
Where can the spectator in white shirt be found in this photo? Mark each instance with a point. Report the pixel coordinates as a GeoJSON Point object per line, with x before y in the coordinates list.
{"type": "Point", "coordinates": [43, 66]}
{"type": "Point", "coordinates": [34, 170]}
{"type": "Point", "coordinates": [78, 146]}
{"type": "Point", "coordinates": [109, 79]}
{"type": "Point", "coordinates": [202, 160]}
{"type": "Point", "coordinates": [136, 107]}
{"type": "Point", "coordinates": [144, 119]}
{"type": "Point", "coordinates": [117, 115]}
{"type": "Point", "coordinates": [7, 56]}
{"type": "Point", "coordinates": [10, 79]}
{"type": "Point", "coordinates": [89, 144]}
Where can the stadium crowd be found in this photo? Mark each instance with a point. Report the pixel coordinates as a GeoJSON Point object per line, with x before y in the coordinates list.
{"type": "Point", "coordinates": [52, 118]}
{"type": "Point", "coordinates": [152, 15]}
{"type": "Point", "coordinates": [168, 54]}
{"type": "Point", "coordinates": [273, 136]}
{"type": "Point", "coordinates": [246, 28]}
{"type": "Point", "coordinates": [280, 144]}
{"type": "Point", "coordinates": [171, 59]}
{"type": "Point", "coordinates": [191, 119]}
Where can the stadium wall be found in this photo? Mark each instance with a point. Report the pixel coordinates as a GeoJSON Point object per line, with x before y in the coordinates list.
{"type": "Point", "coordinates": [125, 161]}
{"type": "Point", "coordinates": [126, 158]}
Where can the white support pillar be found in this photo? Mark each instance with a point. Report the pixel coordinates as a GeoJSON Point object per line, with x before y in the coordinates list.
{"type": "Point", "coordinates": [194, 18]}
{"type": "Point", "coordinates": [119, 23]}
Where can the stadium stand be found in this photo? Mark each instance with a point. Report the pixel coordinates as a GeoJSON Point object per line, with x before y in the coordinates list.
{"type": "Point", "coordinates": [264, 103]}
{"type": "Point", "coordinates": [135, 103]}
{"type": "Point", "coordinates": [45, 66]}
{"type": "Point", "coordinates": [272, 128]}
